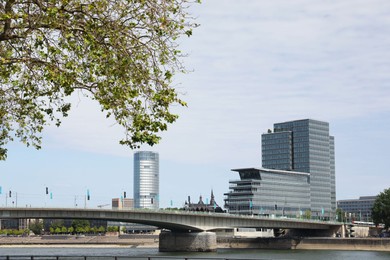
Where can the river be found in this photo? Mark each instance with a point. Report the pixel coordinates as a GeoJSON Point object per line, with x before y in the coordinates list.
{"type": "Point", "coordinates": [131, 253]}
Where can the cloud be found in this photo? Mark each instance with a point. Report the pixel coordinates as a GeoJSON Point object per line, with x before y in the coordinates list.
{"type": "Point", "coordinates": [256, 63]}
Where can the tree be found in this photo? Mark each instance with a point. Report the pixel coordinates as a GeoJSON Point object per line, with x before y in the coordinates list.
{"type": "Point", "coordinates": [307, 214]}
{"type": "Point", "coordinates": [70, 230]}
{"type": "Point", "coordinates": [101, 229]}
{"type": "Point", "coordinates": [94, 230]}
{"type": "Point", "coordinates": [112, 229]}
{"type": "Point", "coordinates": [122, 54]}
{"type": "Point", "coordinates": [36, 227]}
{"type": "Point", "coordinates": [124, 230]}
{"type": "Point", "coordinates": [381, 209]}
{"type": "Point", "coordinates": [80, 230]}
{"type": "Point", "coordinates": [57, 224]}
{"type": "Point", "coordinates": [80, 224]}
{"type": "Point", "coordinates": [64, 230]}
{"type": "Point", "coordinates": [57, 230]}
{"type": "Point", "coordinates": [340, 215]}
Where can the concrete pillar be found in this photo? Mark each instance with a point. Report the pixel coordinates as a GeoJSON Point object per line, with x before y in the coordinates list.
{"type": "Point", "coordinates": [187, 242]}
{"type": "Point", "coordinates": [343, 235]}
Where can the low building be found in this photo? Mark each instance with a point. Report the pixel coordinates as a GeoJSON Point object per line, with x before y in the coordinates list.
{"type": "Point", "coordinates": [358, 209]}
{"type": "Point", "coordinates": [122, 203]}
{"type": "Point", "coordinates": [263, 191]}
{"type": "Point", "coordinates": [128, 204]}
{"type": "Point", "coordinates": [17, 224]}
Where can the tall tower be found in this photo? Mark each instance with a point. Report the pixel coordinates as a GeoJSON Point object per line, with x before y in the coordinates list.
{"type": "Point", "coordinates": [146, 180]}
{"type": "Point", "coordinates": [305, 146]}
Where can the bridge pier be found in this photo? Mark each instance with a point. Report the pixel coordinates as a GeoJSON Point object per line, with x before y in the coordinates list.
{"type": "Point", "coordinates": [171, 241]}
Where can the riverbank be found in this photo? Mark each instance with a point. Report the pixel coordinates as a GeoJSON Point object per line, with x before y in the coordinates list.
{"type": "Point", "coordinates": [151, 241]}
{"type": "Point", "coordinates": [362, 244]}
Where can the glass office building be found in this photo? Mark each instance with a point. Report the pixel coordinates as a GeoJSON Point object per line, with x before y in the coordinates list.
{"type": "Point", "coordinates": [358, 209]}
{"type": "Point", "coordinates": [269, 192]}
{"type": "Point", "coordinates": [305, 146]}
{"type": "Point", "coordinates": [146, 180]}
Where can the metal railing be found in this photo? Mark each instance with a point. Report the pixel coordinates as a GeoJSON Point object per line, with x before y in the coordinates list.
{"type": "Point", "coordinates": [64, 257]}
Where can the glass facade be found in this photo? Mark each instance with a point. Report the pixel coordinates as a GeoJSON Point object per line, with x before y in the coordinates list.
{"type": "Point", "coordinates": [269, 192]}
{"type": "Point", "coordinates": [332, 175]}
{"type": "Point", "coordinates": [312, 151]}
{"type": "Point", "coordinates": [146, 180]}
{"type": "Point", "coordinates": [277, 151]}
{"type": "Point", "coordinates": [358, 209]}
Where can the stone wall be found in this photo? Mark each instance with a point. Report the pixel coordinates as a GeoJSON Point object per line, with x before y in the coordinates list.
{"type": "Point", "coordinates": [371, 244]}
{"type": "Point", "coordinates": [187, 242]}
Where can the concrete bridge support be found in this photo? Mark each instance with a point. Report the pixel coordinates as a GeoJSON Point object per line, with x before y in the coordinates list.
{"type": "Point", "coordinates": [331, 232]}
{"type": "Point", "coordinates": [187, 242]}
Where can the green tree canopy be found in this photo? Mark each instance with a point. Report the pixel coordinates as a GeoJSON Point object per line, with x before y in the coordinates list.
{"type": "Point", "coordinates": [71, 230]}
{"type": "Point", "coordinates": [381, 209]}
{"type": "Point", "coordinates": [57, 224]}
{"type": "Point", "coordinates": [64, 230]}
{"type": "Point", "coordinates": [36, 227]}
{"type": "Point", "coordinates": [80, 223]}
{"type": "Point", "coordinates": [101, 229]}
{"type": "Point", "coordinates": [122, 54]}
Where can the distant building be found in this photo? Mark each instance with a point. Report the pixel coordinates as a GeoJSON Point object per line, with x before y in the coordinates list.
{"type": "Point", "coordinates": [128, 204]}
{"type": "Point", "coordinates": [14, 223]}
{"type": "Point", "coordinates": [122, 203]}
{"type": "Point", "coordinates": [146, 180]}
{"type": "Point", "coordinates": [211, 206]}
{"type": "Point", "coordinates": [358, 209]}
{"type": "Point", "coordinates": [305, 146]}
{"type": "Point", "coordinates": [269, 192]}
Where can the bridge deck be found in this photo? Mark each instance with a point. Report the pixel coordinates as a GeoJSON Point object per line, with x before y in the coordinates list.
{"type": "Point", "coordinates": [173, 220]}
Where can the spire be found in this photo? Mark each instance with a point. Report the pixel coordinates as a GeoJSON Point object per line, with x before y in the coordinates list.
{"type": "Point", "coordinates": [212, 200]}
{"type": "Point", "coordinates": [200, 200]}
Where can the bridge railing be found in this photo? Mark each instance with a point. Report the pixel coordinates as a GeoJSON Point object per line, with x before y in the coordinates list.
{"type": "Point", "coordinates": [244, 216]}
{"type": "Point", "coordinates": [63, 257]}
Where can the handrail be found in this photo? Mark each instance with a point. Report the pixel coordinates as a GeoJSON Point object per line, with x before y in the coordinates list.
{"type": "Point", "coordinates": [84, 257]}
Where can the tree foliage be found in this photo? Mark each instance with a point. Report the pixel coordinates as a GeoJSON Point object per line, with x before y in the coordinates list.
{"type": "Point", "coordinates": [36, 227]}
{"type": "Point", "coordinates": [381, 209]}
{"type": "Point", "coordinates": [80, 224]}
{"type": "Point", "coordinates": [121, 53]}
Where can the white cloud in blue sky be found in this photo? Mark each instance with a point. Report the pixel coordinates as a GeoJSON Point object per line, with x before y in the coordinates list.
{"type": "Point", "coordinates": [254, 63]}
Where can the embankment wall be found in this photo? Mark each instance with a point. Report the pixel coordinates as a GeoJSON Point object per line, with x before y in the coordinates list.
{"type": "Point", "coordinates": [369, 244]}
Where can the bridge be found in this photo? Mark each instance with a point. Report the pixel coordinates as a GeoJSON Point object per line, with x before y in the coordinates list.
{"type": "Point", "coordinates": [166, 219]}
{"type": "Point", "coordinates": [179, 222]}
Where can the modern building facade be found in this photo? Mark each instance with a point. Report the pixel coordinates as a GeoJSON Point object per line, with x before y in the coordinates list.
{"type": "Point", "coordinates": [269, 192]}
{"type": "Point", "coordinates": [146, 180]}
{"type": "Point", "coordinates": [305, 146]}
{"type": "Point", "coordinates": [358, 209]}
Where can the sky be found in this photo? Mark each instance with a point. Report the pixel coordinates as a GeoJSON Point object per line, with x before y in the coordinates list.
{"type": "Point", "coordinates": [253, 64]}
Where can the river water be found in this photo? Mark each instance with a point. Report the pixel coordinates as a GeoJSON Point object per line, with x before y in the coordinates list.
{"type": "Point", "coordinates": [140, 253]}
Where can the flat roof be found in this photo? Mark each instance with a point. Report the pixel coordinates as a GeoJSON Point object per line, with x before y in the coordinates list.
{"type": "Point", "coordinates": [361, 198]}
{"type": "Point", "coordinates": [270, 171]}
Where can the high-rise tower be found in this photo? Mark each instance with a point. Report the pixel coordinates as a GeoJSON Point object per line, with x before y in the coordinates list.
{"type": "Point", "coordinates": [305, 146]}
{"type": "Point", "coordinates": [146, 180]}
